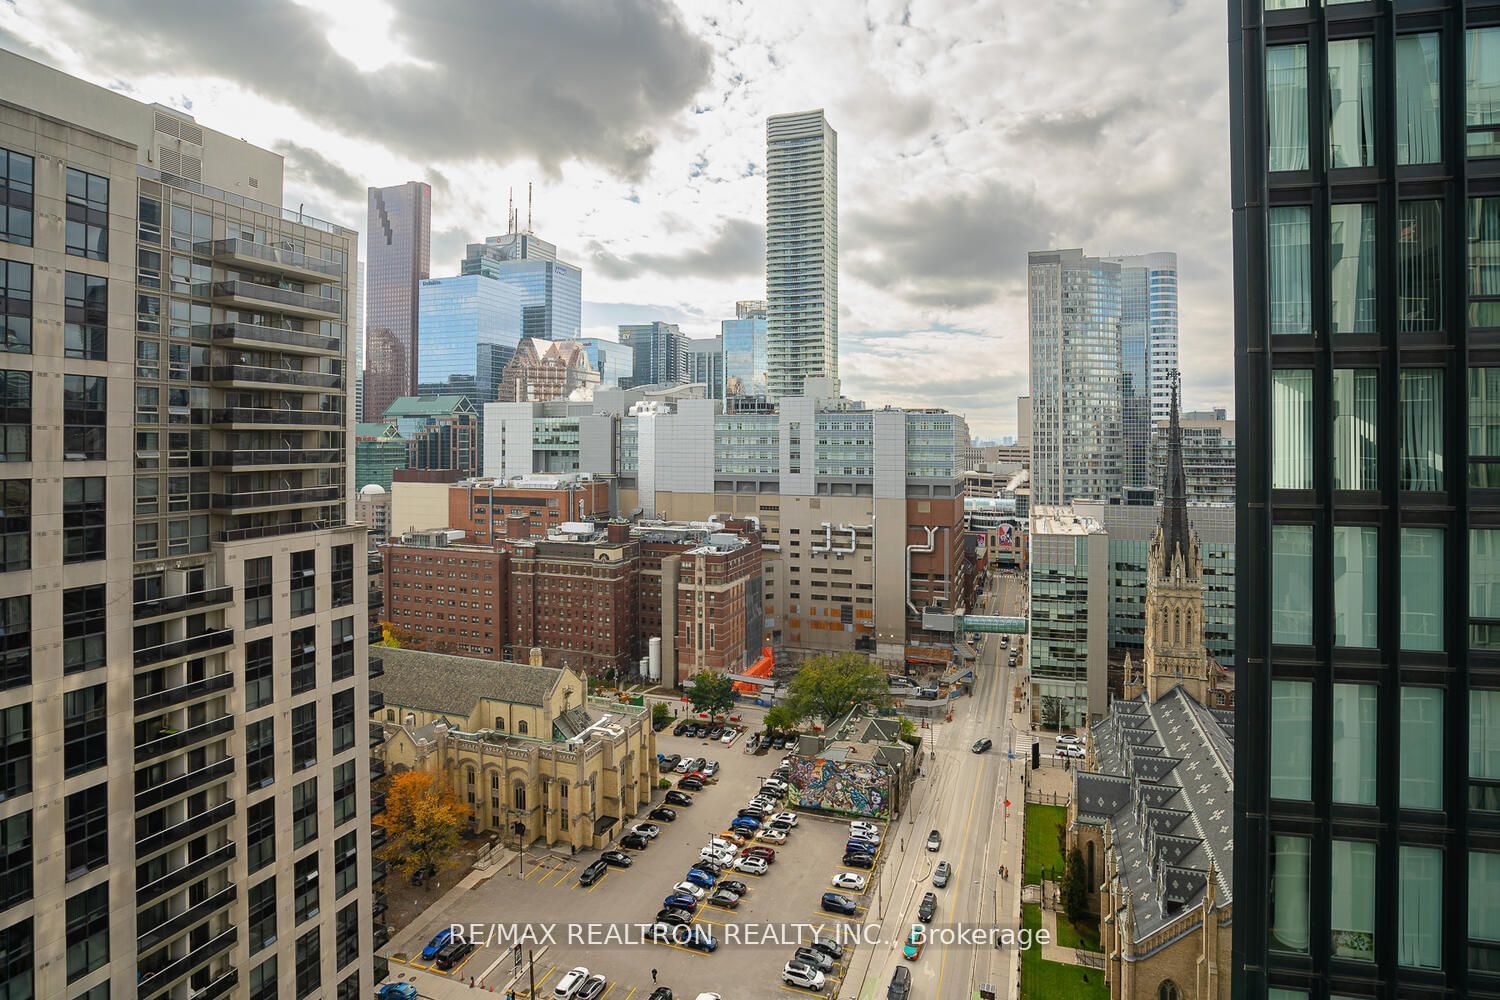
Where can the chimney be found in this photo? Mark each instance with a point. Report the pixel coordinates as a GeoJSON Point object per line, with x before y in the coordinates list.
{"type": "Point", "coordinates": [617, 531]}
{"type": "Point", "coordinates": [536, 656]}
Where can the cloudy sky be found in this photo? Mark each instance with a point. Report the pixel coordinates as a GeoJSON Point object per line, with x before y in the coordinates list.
{"type": "Point", "coordinates": [969, 133]}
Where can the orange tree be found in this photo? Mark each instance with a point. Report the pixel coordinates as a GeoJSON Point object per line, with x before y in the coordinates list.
{"type": "Point", "coordinates": [423, 817]}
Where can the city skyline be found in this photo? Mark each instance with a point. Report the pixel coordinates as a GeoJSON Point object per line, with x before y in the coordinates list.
{"type": "Point", "coordinates": [678, 235]}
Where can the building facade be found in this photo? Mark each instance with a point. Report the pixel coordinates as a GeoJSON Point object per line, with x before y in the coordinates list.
{"type": "Point", "coordinates": [802, 252]}
{"type": "Point", "coordinates": [540, 371]}
{"type": "Point", "coordinates": [1069, 618]}
{"type": "Point", "coordinates": [551, 290]}
{"type": "Point", "coordinates": [379, 450]}
{"type": "Point", "coordinates": [744, 339]}
{"type": "Point", "coordinates": [492, 511]}
{"type": "Point", "coordinates": [573, 598]}
{"type": "Point", "coordinates": [372, 508]}
{"type": "Point", "coordinates": [441, 433]}
{"type": "Point", "coordinates": [184, 806]}
{"type": "Point", "coordinates": [1366, 211]}
{"type": "Point", "coordinates": [1148, 354]}
{"type": "Point", "coordinates": [705, 364]}
{"type": "Point", "coordinates": [614, 362]}
{"type": "Point", "coordinates": [659, 353]}
{"type": "Point", "coordinates": [1207, 454]}
{"type": "Point", "coordinates": [445, 596]}
{"type": "Point", "coordinates": [470, 326]}
{"type": "Point", "coordinates": [399, 252]}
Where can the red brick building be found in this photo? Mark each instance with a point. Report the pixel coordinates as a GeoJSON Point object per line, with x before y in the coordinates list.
{"type": "Point", "coordinates": [573, 595]}
{"type": "Point", "coordinates": [446, 596]}
{"type": "Point", "coordinates": [490, 511]}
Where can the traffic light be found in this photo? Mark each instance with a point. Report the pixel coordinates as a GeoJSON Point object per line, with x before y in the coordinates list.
{"type": "Point", "coordinates": [1036, 754]}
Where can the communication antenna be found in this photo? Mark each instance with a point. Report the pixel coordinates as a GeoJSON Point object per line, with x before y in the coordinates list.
{"type": "Point", "coordinates": [510, 210]}
{"type": "Point", "coordinates": [528, 206]}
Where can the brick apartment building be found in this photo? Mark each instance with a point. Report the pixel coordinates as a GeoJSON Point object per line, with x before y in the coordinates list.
{"type": "Point", "coordinates": [572, 595]}
{"type": "Point", "coordinates": [490, 511]}
{"type": "Point", "coordinates": [445, 596]}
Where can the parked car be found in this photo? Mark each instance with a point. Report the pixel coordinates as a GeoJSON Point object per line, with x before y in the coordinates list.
{"type": "Point", "coordinates": [859, 859]}
{"type": "Point", "coordinates": [753, 743]}
{"type": "Point", "coordinates": [723, 897]}
{"type": "Point", "coordinates": [663, 815]}
{"type": "Point", "coordinates": [616, 859]}
{"type": "Point", "coordinates": [870, 831]}
{"type": "Point", "coordinates": [396, 991]}
{"type": "Point", "coordinates": [648, 830]}
{"type": "Point", "coordinates": [927, 907]}
{"type": "Point", "coordinates": [781, 825]}
{"type": "Point", "coordinates": [941, 874]}
{"type": "Point", "coordinates": [754, 812]}
{"type": "Point", "coordinates": [745, 823]}
{"type": "Point", "coordinates": [689, 889]}
{"type": "Point", "coordinates": [593, 873]}
{"type": "Point", "coordinates": [700, 878]}
{"type": "Point", "coordinates": [803, 977]}
{"type": "Point", "coordinates": [660, 993]}
{"type": "Point", "coordinates": [934, 841]}
{"type": "Point", "coordinates": [751, 866]}
{"type": "Point", "coordinates": [900, 988]}
{"type": "Point", "coordinates": [680, 901]}
{"type": "Point", "coordinates": [714, 868]}
{"type": "Point", "coordinates": [681, 728]}
{"type": "Point", "coordinates": [771, 836]}
{"type": "Point", "coordinates": [722, 844]}
{"type": "Point", "coordinates": [789, 818]}
{"type": "Point", "coordinates": [711, 768]}
{"type": "Point", "coordinates": [860, 844]}
{"type": "Point", "coordinates": [690, 784]}
{"type": "Point", "coordinates": [814, 958]}
{"type": "Point", "coordinates": [592, 989]}
{"type": "Point", "coordinates": [567, 987]}
{"type": "Point", "coordinates": [698, 938]}
{"type": "Point", "coordinates": [834, 902]}
{"type": "Point", "coordinates": [761, 851]}
{"type": "Point", "coordinates": [453, 953]}
{"type": "Point", "coordinates": [851, 881]}
{"type": "Point", "coordinates": [669, 915]}
{"type": "Point", "coordinates": [982, 744]}
{"type": "Point", "coordinates": [669, 762]}
{"type": "Point", "coordinates": [438, 942]}
{"type": "Point", "coordinates": [1071, 750]}
{"type": "Point", "coordinates": [728, 737]}
{"type": "Point", "coordinates": [635, 842]}
{"type": "Point", "coordinates": [735, 886]}
{"type": "Point", "coordinates": [831, 947]}
{"type": "Point", "coordinates": [715, 731]}
{"type": "Point", "coordinates": [676, 798]}
{"type": "Point", "coordinates": [1070, 739]}
{"type": "Point", "coordinates": [684, 765]}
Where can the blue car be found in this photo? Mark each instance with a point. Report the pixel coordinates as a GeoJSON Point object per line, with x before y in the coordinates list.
{"type": "Point", "coordinates": [698, 938]}
{"type": "Point", "coordinates": [680, 901]}
{"type": "Point", "coordinates": [438, 943]}
{"type": "Point", "coordinates": [745, 823]}
{"type": "Point", "coordinates": [698, 876]}
{"type": "Point", "coordinates": [856, 845]}
{"type": "Point", "coordinates": [397, 991]}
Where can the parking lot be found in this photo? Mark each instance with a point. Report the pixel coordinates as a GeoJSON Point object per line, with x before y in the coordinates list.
{"type": "Point", "coordinates": [601, 926]}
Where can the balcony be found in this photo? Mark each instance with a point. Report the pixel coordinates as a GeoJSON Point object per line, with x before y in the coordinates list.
{"type": "Point", "coordinates": [157, 700]}
{"type": "Point", "coordinates": [167, 976]}
{"type": "Point", "coordinates": [237, 294]}
{"type": "Point", "coordinates": [253, 335]}
{"type": "Point", "coordinates": [377, 872]}
{"type": "Point", "coordinates": [145, 798]}
{"type": "Point", "coordinates": [175, 925]}
{"type": "Point", "coordinates": [192, 736]}
{"type": "Point", "coordinates": [222, 986]}
{"type": "Point", "coordinates": [382, 935]}
{"type": "Point", "coordinates": [377, 769]}
{"type": "Point", "coordinates": [377, 804]}
{"type": "Point", "coordinates": [263, 257]}
{"type": "Point", "coordinates": [259, 375]}
{"type": "Point", "coordinates": [269, 416]}
{"type": "Point", "coordinates": [275, 530]}
{"type": "Point", "coordinates": [197, 601]}
{"type": "Point", "coordinates": [305, 496]}
{"type": "Point", "coordinates": [263, 458]}
{"type": "Point", "coordinates": [378, 837]}
{"type": "Point", "coordinates": [181, 649]}
{"type": "Point", "coordinates": [204, 821]}
{"type": "Point", "coordinates": [187, 873]}
{"type": "Point", "coordinates": [377, 667]}
{"type": "Point", "coordinates": [378, 905]}
{"type": "Point", "coordinates": [377, 700]}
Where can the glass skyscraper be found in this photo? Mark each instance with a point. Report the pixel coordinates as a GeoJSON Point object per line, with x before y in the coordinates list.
{"type": "Point", "coordinates": [1148, 354]}
{"type": "Point", "coordinates": [470, 326]}
{"type": "Point", "coordinates": [614, 362]}
{"type": "Point", "coordinates": [399, 248]}
{"type": "Point", "coordinates": [745, 351]}
{"type": "Point", "coordinates": [705, 363]}
{"type": "Point", "coordinates": [1365, 139]}
{"type": "Point", "coordinates": [551, 290]}
{"type": "Point", "coordinates": [660, 353]}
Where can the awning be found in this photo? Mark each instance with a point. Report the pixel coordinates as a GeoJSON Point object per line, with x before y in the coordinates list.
{"type": "Point", "coordinates": [603, 823]}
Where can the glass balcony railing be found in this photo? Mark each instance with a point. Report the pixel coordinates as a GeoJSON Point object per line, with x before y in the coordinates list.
{"type": "Point", "coordinates": [181, 649]}
{"type": "Point", "coordinates": [165, 977]}
{"type": "Point", "coordinates": [377, 769]}
{"type": "Point", "coordinates": [187, 873]}
{"type": "Point", "coordinates": [145, 798]}
{"type": "Point", "coordinates": [378, 837]}
{"type": "Point", "coordinates": [283, 299]}
{"type": "Point", "coordinates": [252, 333]}
{"type": "Point", "coordinates": [377, 667]}
{"type": "Point", "coordinates": [263, 375]}
{"type": "Point", "coordinates": [174, 925]}
{"type": "Point", "coordinates": [277, 456]}
{"type": "Point", "coordinates": [277, 416]}
{"type": "Point", "coordinates": [204, 821]}
{"type": "Point", "coordinates": [275, 258]}
{"type": "Point", "coordinates": [274, 530]}
{"type": "Point", "coordinates": [156, 701]}
{"type": "Point", "coordinates": [377, 872]}
{"type": "Point", "coordinates": [220, 987]}
{"type": "Point", "coordinates": [181, 740]}
{"type": "Point", "coordinates": [179, 603]}
{"type": "Point", "coordinates": [278, 498]}
{"type": "Point", "coordinates": [377, 701]}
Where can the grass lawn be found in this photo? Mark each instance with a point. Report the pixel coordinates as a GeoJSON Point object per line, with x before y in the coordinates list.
{"type": "Point", "coordinates": [1085, 935]}
{"type": "Point", "coordinates": [1042, 824]}
{"type": "Point", "coordinates": [1044, 980]}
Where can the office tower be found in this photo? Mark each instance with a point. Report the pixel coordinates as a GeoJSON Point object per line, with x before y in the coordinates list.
{"type": "Point", "coordinates": [1076, 433]}
{"type": "Point", "coordinates": [1069, 618]}
{"type": "Point", "coordinates": [1148, 353]}
{"type": "Point", "coordinates": [357, 334]}
{"type": "Point", "coordinates": [705, 363]}
{"type": "Point", "coordinates": [1023, 422]}
{"type": "Point", "coordinates": [802, 252]}
{"type": "Point", "coordinates": [398, 247]}
{"type": "Point", "coordinates": [470, 326]}
{"type": "Point", "coordinates": [744, 340]}
{"type": "Point", "coordinates": [184, 801]}
{"type": "Point", "coordinates": [614, 362]}
{"type": "Point", "coordinates": [660, 353]}
{"type": "Point", "coordinates": [1207, 454]}
{"type": "Point", "coordinates": [551, 290]}
{"type": "Point", "coordinates": [1367, 789]}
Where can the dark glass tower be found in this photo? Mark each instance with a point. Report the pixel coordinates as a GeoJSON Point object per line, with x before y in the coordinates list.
{"type": "Point", "coordinates": [1366, 184]}
{"type": "Point", "coordinates": [399, 248]}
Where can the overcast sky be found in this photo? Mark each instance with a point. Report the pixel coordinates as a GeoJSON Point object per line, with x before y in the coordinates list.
{"type": "Point", "coordinates": [969, 133]}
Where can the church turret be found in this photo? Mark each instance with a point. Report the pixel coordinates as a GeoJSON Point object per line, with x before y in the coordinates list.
{"type": "Point", "coordinates": [1176, 534]}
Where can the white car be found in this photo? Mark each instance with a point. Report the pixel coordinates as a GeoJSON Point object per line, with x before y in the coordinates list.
{"type": "Point", "coordinates": [771, 836]}
{"type": "Point", "coordinates": [765, 805]}
{"type": "Point", "coordinates": [719, 858]}
{"type": "Point", "coordinates": [569, 983]}
{"type": "Point", "coordinates": [751, 866]}
{"type": "Point", "coordinates": [790, 819]}
{"type": "Point", "coordinates": [718, 844]}
{"type": "Point", "coordinates": [728, 737]}
{"type": "Point", "coordinates": [684, 766]}
{"type": "Point", "coordinates": [708, 996]}
{"type": "Point", "coordinates": [852, 881]}
{"type": "Point", "coordinates": [696, 891]}
{"type": "Point", "coordinates": [804, 976]}
{"type": "Point", "coordinates": [711, 768]}
{"type": "Point", "coordinates": [1070, 738]}
{"type": "Point", "coordinates": [1070, 750]}
{"type": "Point", "coordinates": [866, 830]}
{"type": "Point", "coordinates": [647, 830]}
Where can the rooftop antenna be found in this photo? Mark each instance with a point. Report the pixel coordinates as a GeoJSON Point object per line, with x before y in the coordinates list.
{"type": "Point", "coordinates": [510, 209]}
{"type": "Point", "coordinates": [528, 206]}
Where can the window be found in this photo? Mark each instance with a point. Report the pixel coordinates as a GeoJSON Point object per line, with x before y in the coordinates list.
{"type": "Point", "coordinates": [15, 642]}
{"type": "Point", "coordinates": [260, 834]}
{"type": "Point", "coordinates": [1291, 740]}
{"type": "Point", "coordinates": [1419, 909]}
{"type": "Point", "coordinates": [88, 931]}
{"type": "Point", "coordinates": [1352, 895]}
{"type": "Point", "coordinates": [1484, 911]}
{"type": "Point", "coordinates": [88, 215]}
{"type": "Point", "coordinates": [1351, 268]}
{"type": "Point", "coordinates": [260, 668]}
{"type": "Point", "coordinates": [1484, 750]}
{"type": "Point", "coordinates": [15, 205]}
{"type": "Point", "coordinates": [263, 980]}
{"type": "Point", "coordinates": [1419, 99]}
{"type": "Point", "coordinates": [343, 721]}
{"type": "Point", "coordinates": [15, 751]}
{"type": "Point", "coordinates": [304, 812]}
{"type": "Point", "coordinates": [1289, 897]}
{"type": "Point", "coordinates": [1286, 107]}
{"type": "Point", "coordinates": [343, 793]}
{"type": "Point", "coordinates": [15, 861]}
{"type": "Point", "coordinates": [304, 659]}
{"type": "Point", "coordinates": [15, 524]}
{"type": "Point", "coordinates": [1356, 581]}
{"type": "Point", "coordinates": [1421, 588]}
{"type": "Point", "coordinates": [345, 864]}
{"type": "Point", "coordinates": [343, 649]}
{"type": "Point", "coordinates": [84, 723]}
{"type": "Point", "coordinates": [1421, 753]}
{"type": "Point", "coordinates": [85, 410]}
{"type": "Point", "coordinates": [86, 822]}
{"type": "Point", "coordinates": [346, 936]}
{"type": "Point", "coordinates": [304, 736]}
{"type": "Point", "coordinates": [16, 972]}
{"type": "Point", "coordinates": [1291, 429]}
{"type": "Point", "coordinates": [1351, 103]}
{"type": "Point", "coordinates": [83, 628]}
{"type": "Point", "coordinates": [349, 987]}
{"type": "Point", "coordinates": [1484, 427]}
{"type": "Point", "coordinates": [1354, 724]}
{"type": "Point", "coordinates": [1484, 261]}
{"type": "Point", "coordinates": [1422, 429]}
{"type": "Point", "coordinates": [15, 416]}
{"type": "Point", "coordinates": [1420, 246]}
{"type": "Point", "coordinates": [305, 886]}
{"type": "Point", "coordinates": [15, 302]}
{"type": "Point", "coordinates": [260, 753]}
{"type": "Point", "coordinates": [1482, 91]}
{"type": "Point", "coordinates": [1355, 461]}
{"type": "Point", "coordinates": [257, 591]}
{"type": "Point", "coordinates": [83, 519]}
{"type": "Point", "coordinates": [304, 582]}
{"type": "Point", "coordinates": [343, 575]}
{"type": "Point", "coordinates": [85, 316]}
{"type": "Point", "coordinates": [1289, 269]}
{"type": "Point", "coordinates": [309, 964]}
{"type": "Point", "coordinates": [263, 914]}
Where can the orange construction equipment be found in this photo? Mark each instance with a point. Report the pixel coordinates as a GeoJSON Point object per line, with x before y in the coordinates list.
{"type": "Point", "coordinates": [761, 668]}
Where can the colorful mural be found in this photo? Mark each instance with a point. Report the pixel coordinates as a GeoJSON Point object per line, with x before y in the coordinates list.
{"type": "Point", "coordinates": [847, 787]}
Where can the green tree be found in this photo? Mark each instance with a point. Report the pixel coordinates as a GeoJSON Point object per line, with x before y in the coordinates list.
{"type": "Point", "coordinates": [1075, 897]}
{"type": "Point", "coordinates": [711, 692]}
{"type": "Point", "coordinates": [660, 713]}
{"type": "Point", "coordinates": [1051, 711]}
{"type": "Point", "coordinates": [828, 685]}
{"type": "Point", "coordinates": [782, 719]}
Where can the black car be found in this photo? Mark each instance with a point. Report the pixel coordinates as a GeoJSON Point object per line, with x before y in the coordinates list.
{"type": "Point", "coordinates": [677, 798]}
{"type": "Point", "coordinates": [708, 866]}
{"type": "Point", "coordinates": [634, 841]}
{"type": "Point", "coordinates": [900, 988]}
{"type": "Point", "coordinates": [728, 900]}
{"type": "Point", "coordinates": [660, 993]}
{"type": "Point", "coordinates": [731, 885]}
{"type": "Point", "coordinates": [617, 859]}
{"type": "Point", "coordinates": [681, 728]}
{"type": "Point", "coordinates": [836, 903]}
{"type": "Point", "coordinates": [453, 952]}
{"type": "Point", "coordinates": [981, 745]}
{"type": "Point", "coordinates": [593, 873]}
{"type": "Point", "coordinates": [592, 989]}
{"type": "Point", "coordinates": [690, 784]}
{"type": "Point", "coordinates": [752, 812]}
{"type": "Point", "coordinates": [858, 859]}
{"type": "Point", "coordinates": [669, 762]}
{"type": "Point", "coordinates": [673, 917]}
{"type": "Point", "coordinates": [927, 907]}
{"type": "Point", "coordinates": [663, 815]}
{"type": "Point", "coordinates": [828, 946]}
{"type": "Point", "coordinates": [698, 732]}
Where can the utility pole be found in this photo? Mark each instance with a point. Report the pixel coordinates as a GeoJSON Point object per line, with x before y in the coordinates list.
{"type": "Point", "coordinates": [531, 969]}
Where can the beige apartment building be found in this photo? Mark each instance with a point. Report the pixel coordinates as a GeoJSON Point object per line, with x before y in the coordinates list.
{"type": "Point", "coordinates": [184, 761]}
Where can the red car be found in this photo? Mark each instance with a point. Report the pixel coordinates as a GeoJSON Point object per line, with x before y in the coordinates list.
{"type": "Point", "coordinates": [758, 851]}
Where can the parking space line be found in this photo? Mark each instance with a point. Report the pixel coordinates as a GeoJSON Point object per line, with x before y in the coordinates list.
{"type": "Point", "coordinates": [564, 872]}
{"type": "Point", "coordinates": [467, 959]}
{"type": "Point", "coordinates": [540, 983]}
{"type": "Point", "coordinates": [678, 947]}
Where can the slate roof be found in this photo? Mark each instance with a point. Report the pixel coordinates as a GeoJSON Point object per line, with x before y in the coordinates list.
{"type": "Point", "coordinates": [1164, 781]}
{"type": "Point", "coordinates": [454, 685]}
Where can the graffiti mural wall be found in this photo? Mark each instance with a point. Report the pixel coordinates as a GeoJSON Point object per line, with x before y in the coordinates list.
{"type": "Point", "coordinates": [851, 788]}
